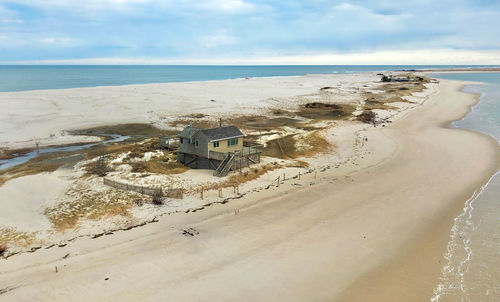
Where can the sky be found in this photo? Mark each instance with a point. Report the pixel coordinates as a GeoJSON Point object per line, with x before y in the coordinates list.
{"type": "Point", "coordinates": [249, 32]}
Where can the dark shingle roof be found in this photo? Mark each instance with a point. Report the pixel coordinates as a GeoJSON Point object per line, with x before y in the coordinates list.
{"type": "Point", "coordinates": [221, 133]}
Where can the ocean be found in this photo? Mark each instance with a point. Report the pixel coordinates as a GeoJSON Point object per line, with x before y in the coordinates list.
{"type": "Point", "coordinates": [33, 77]}
{"type": "Point", "coordinates": [472, 269]}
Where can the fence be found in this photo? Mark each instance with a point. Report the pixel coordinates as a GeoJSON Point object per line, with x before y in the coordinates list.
{"type": "Point", "coordinates": [139, 189]}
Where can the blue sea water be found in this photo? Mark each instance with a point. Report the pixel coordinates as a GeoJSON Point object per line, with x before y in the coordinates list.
{"type": "Point", "coordinates": [33, 77]}
{"type": "Point", "coordinates": [472, 270]}
{"type": "Point", "coordinates": [485, 116]}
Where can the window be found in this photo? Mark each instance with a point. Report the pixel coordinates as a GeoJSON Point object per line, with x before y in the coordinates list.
{"type": "Point", "coordinates": [232, 142]}
{"type": "Point", "coordinates": [196, 143]}
{"type": "Point", "coordinates": [216, 144]}
{"type": "Point", "coordinates": [181, 140]}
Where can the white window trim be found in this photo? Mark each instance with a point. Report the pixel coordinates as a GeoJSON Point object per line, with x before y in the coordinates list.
{"type": "Point", "coordinates": [229, 142]}
{"type": "Point", "coordinates": [226, 138]}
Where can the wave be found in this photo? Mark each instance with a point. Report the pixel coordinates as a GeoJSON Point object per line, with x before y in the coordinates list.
{"type": "Point", "coordinates": [459, 251]}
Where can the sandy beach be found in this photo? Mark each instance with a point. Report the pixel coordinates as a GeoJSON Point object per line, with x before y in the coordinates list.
{"type": "Point", "coordinates": [55, 112]}
{"type": "Point", "coordinates": [375, 228]}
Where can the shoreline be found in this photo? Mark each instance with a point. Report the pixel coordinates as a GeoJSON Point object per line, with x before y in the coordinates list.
{"type": "Point", "coordinates": [391, 279]}
{"type": "Point", "coordinates": [267, 209]}
{"type": "Point", "coordinates": [426, 71]}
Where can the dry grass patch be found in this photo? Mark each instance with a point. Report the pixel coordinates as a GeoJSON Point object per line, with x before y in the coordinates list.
{"type": "Point", "coordinates": [11, 153]}
{"type": "Point", "coordinates": [29, 168]}
{"type": "Point", "coordinates": [237, 179]}
{"type": "Point", "coordinates": [283, 112]}
{"type": "Point", "coordinates": [263, 123]}
{"type": "Point", "coordinates": [136, 149]}
{"type": "Point", "coordinates": [199, 123]}
{"type": "Point", "coordinates": [378, 103]}
{"type": "Point", "coordinates": [136, 129]}
{"type": "Point", "coordinates": [393, 92]}
{"type": "Point", "coordinates": [92, 205]}
{"type": "Point", "coordinates": [298, 164]}
{"type": "Point", "coordinates": [367, 116]}
{"type": "Point", "coordinates": [326, 111]}
{"type": "Point", "coordinates": [158, 166]}
{"type": "Point", "coordinates": [10, 236]}
{"type": "Point", "coordinates": [252, 173]}
{"type": "Point", "coordinates": [259, 122]}
{"type": "Point", "coordinates": [3, 248]}
{"type": "Point", "coordinates": [294, 146]}
{"type": "Point", "coordinates": [164, 164]}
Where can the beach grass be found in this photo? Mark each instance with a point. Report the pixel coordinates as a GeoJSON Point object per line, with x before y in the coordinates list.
{"type": "Point", "coordinates": [92, 205]}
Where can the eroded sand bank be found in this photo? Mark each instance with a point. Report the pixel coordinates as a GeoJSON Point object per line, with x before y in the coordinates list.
{"type": "Point", "coordinates": [323, 240]}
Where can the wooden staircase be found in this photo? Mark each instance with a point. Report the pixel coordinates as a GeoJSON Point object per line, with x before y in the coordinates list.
{"type": "Point", "coordinates": [225, 165]}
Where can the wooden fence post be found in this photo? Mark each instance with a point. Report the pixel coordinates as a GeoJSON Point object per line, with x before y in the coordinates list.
{"type": "Point", "coordinates": [278, 181]}
{"type": "Point", "coordinates": [299, 175]}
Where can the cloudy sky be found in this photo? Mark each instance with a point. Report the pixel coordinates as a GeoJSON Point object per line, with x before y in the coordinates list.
{"type": "Point", "coordinates": [250, 31]}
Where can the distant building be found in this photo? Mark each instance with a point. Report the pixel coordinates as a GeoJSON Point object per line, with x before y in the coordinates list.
{"type": "Point", "coordinates": [220, 149]}
{"type": "Point", "coordinates": [400, 79]}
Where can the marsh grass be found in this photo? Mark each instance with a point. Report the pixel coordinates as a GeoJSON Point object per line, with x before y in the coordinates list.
{"type": "Point", "coordinates": [326, 111]}
{"type": "Point", "coordinates": [133, 129]}
{"type": "Point", "coordinates": [393, 92]}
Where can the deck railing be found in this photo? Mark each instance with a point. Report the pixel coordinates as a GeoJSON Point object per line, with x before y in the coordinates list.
{"type": "Point", "coordinates": [245, 151]}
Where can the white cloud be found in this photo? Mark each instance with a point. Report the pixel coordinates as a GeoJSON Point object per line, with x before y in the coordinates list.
{"type": "Point", "coordinates": [60, 41]}
{"type": "Point", "coordinates": [87, 5]}
{"type": "Point", "coordinates": [12, 21]}
{"type": "Point", "coordinates": [217, 40]}
{"type": "Point", "coordinates": [389, 57]}
{"type": "Point", "coordinates": [230, 6]}
{"type": "Point", "coordinates": [244, 28]}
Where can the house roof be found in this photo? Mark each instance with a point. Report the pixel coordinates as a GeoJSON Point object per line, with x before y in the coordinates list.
{"type": "Point", "coordinates": [187, 132]}
{"type": "Point", "coordinates": [219, 133]}
{"type": "Point", "coordinates": [213, 134]}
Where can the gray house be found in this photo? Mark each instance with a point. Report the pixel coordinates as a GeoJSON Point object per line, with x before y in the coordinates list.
{"type": "Point", "coordinates": [220, 149]}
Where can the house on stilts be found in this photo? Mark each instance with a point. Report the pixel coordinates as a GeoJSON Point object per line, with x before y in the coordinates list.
{"type": "Point", "coordinates": [221, 149]}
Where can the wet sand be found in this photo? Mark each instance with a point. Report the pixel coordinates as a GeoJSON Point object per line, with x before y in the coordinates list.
{"type": "Point", "coordinates": [414, 273]}
{"type": "Point", "coordinates": [373, 231]}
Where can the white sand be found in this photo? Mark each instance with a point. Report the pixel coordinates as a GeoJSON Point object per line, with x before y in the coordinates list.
{"type": "Point", "coordinates": [42, 113]}
{"type": "Point", "coordinates": [312, 242]}
{"type": "Point", "coordinates": [46, 114]}
{"type": "Point", "coordinates": [23, 199]}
